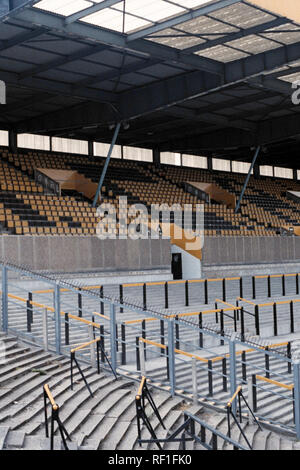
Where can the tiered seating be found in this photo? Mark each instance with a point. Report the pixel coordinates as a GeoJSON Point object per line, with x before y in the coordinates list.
{"type": "Point", "coordinates": [264, 210]}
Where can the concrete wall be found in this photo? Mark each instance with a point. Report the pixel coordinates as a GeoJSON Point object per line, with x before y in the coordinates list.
{"type": "Point", "coordinates": [69, 254]}
{"type": "Point", "coordinates": [222, 251]}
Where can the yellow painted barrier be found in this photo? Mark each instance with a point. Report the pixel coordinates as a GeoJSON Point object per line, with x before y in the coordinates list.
{"type": "Point", "coordinates": [234, 396]}
{"type": "Point", "coordinates": [85, 345]}
{"type": "Point", "coordinates": [274, 382]}
{"type": "Point", "coordinates": [50, 396]}
{"type": "Point", "coordinates": [140, 390]}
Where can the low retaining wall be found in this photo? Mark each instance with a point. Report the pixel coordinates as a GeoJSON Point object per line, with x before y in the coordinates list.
{"type": "Point", "coordinates": [222, 251]}
{"type": "Point", "coordinates": [75, 254]}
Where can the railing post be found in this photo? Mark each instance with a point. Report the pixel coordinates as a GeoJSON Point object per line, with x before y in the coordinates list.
{"type": "Point", "coordinates": [297, 284]}
{"type": "Point", "coordinates": [142, 362]}
{"type": "Point", "coordinates": [269, 287]}
{"type": "Point", "coordinates": [200, 333]}
{"type": "Point", "coordinates": [205, 292]}
{"type": "Point", "coordinates": [144, 337]}
{"type": "Point", "coordinates": [137, 353]}
{"type": "Point", "coordinates": [4, 299]}
{"type": "Point", "coordinates": [224, 289]}
{"type": "Point", "coordinates": [275, 318]}
{"type": "Point", "coordinates": [171, 352]}
{"type": "Point", "coordinates": [123, 339]}
{"type": "Point", "coordinates": [177, 335]}
{"type": "Point", "coordinates": [232, 366]}
{"type": "Point", "coordinates": [162, 336]}
{"type": "Point", "coordinates": [241, 287]}
{"type": "Point", "coordinates": [267, 363]}
{"type": "Point", "coordinates": [113, 348]}
{"type": "Point", "coordinates": [224, 373]}
{"type": "Point", "coordinates": [283, 285]}
{"type": "Point", "coordinates": [250, 399]}
{"type": "Point", "coordinates": [289, 355]}
{"type": "Point", "coordinates": [292, 317]}
{"type": "Point", "coordinates": [254, 393]}
{"type": "Point", "coordinates": [121, 297]}
{"type": "Point", "coordinates": [210, 378]}
{"type": "Point", "coordinates": [145, 296]}
{"type": "Point", "coordinates": [253, 288]}
{"type": "Point", "coordinates": [222, 327]}
{"type": "Point", "coordinates": [166, 295]}
{"type": "Point", "coordinates": [242, 324]}
{"type": "Point", "coordinates": [45, 329]}
{"type": "Point", "coordinates": [101, 303]}
{"type": "Point", "coordinates": [256, 309]}
{"type": "Point", "coordinates": [244, 366]}
{"type": "Point", "coordinates": [67, 330]}
{"type": "Point", "coordinates": [57, 318]}
{"type": "Point", "coordinates": [296, 369]}
{"type": "Point", "coordinates": [195, 384]}
{"type": "Point", "coordinates": [186, 293]}
{"type": "Point", "coordinates": [79, 303]}
{"type": "Point", "coordinates": [92, 346]}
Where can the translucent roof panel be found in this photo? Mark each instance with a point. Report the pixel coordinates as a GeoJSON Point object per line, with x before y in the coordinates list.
{"type": "Point", "coordinates": [66, 8]}
{"type": "Point", "coordinates": [114, 18]}
{"type": "Point", "coordinates": [138, 13]}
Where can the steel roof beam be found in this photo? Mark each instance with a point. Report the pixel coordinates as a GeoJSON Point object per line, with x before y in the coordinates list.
{"type": "Point", "coordinates": [21, 38]}
{"type": "Point", "coordinates": [192, 14]}
{"type": "Point", "coordinates": [212, 118]}
{"type": "Point", "coordinates": [163, 94]}
{"type": "Point", "coordinates": [115, 39]}
{"type": "Point", "coordinates": [269, 131]}
{"type": "Point", "coordinates": [58, 88]}
{"type": "Point", "coordinates": [86, 52]}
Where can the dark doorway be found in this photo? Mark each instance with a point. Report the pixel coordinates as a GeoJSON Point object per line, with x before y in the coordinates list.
{"type": "Point", "coordinates": [177, 265]}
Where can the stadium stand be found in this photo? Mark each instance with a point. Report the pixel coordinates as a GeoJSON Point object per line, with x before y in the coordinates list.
{"type": "Point", "coordinates": [179, 332]}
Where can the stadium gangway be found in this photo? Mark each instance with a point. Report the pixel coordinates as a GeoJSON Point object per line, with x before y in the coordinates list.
{"type": "Point", "coordinates": [48, 397]}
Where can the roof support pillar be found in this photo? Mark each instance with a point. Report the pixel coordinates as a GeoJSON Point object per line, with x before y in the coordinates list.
{"type": "Point", "coordinates": [116, 133]}
{"type": "Point", "coordinates": [247, 179]}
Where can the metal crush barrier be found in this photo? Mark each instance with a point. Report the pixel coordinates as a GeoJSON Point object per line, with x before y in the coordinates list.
{"type": "Point", "coordinates": [202, 355]}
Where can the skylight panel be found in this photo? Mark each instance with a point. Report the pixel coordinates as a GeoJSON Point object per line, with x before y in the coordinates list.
{"type": "Point", "coordinates": [152, 10]}
{"type": "Point", "coordinates": [66, 8]}
{"type": "Point", "coordinates": [113, 19]}
{"type": "Point", "coordinates": [191, 3]}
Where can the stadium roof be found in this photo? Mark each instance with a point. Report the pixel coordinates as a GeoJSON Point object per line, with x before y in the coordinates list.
{"type": "Point", "coordinates": [188, 75]}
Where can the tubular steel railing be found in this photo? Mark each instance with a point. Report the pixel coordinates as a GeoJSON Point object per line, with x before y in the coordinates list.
{"type": "Point", "coordinates": [48, 397]}
{"type": "Point", "coordinates": [238, 395]}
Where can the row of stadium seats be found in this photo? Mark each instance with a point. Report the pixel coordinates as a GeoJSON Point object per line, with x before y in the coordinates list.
{"type": "Point", "coordinates": [264, 210]}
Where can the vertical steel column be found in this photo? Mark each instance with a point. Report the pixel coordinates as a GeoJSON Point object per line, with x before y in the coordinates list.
{"type": "Point", "coordinates": [232, 366]}
{"type": "Point", "coordinates": [296, 369]}
{"type": "Point", "coordinates": [4, 299]}
{"type": "Point", "coordinates": [116, 133]}
{"type": "Point", "coordinates": [171, 351]}
{"type": "Point", "coordinates": [57, 318]}
{"type": "Point", "coordinates": [247, 179]}
{"type": "Point", "coordinates": [113, 337]}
